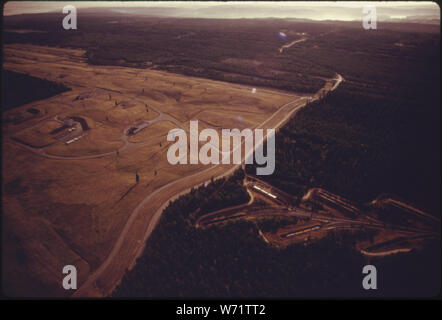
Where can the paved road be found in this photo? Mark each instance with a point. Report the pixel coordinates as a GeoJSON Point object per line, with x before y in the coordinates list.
{"type": "Point", "coordinates": [176, 189]}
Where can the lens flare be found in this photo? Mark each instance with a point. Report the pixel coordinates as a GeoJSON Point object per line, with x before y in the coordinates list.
{"type": "Point", "coordinates": [282, 35]}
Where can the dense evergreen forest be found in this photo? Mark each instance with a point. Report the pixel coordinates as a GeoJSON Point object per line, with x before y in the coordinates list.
{"type": "Point", "coordinates": [379, 132]}
{"type": "Point", "coordinates": [241, 51]}
{"type": "Point", "coordinates": [233, 261]}
{"type": "Point", "coordinates": [36, 89]}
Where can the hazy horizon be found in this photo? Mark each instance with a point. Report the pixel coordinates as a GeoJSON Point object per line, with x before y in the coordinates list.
{"type": "Point", "coordinates": [343, 11]}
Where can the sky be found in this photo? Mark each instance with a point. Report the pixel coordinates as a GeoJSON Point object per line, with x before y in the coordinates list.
{"type": "Point", "coordinates": [344, 11]}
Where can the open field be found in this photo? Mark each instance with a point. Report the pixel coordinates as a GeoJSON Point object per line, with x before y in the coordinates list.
{"type": "Point", "coordinates": [79, 196]}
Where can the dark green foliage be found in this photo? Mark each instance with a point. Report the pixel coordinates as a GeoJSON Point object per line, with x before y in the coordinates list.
{"type": "Point", "coordinates": [272, 224]}
{"type": "Point", "coordinates": [414, 274]}
{"type": "Point", "coordinates": [232, 261]}
{"type": "Point", "coordinates": [19, 89]}
{"type": "Point", "coordinates": [181, 261]}
{"type": "Point", "coordinates": [377, 133]}
{"type": "Point", "coordinates": [193, 47]}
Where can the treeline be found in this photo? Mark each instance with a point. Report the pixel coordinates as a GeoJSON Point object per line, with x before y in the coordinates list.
{"type": "Point", "coordinates": [379, 132]}
{"type": "Point", "coordinates": [197, 47]}
{"type": "Point", "coordinates": [182, 261]}
{"type": "Point", "coordinates": [19, 89]}
{"type": "Point", "coordinates": [233, 261]}
{"type": "Point", "coordinates": [361, 146]}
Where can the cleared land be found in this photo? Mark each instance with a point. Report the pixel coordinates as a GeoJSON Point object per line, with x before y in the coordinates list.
{"type": "Point", "coordinates": [78, 203]}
